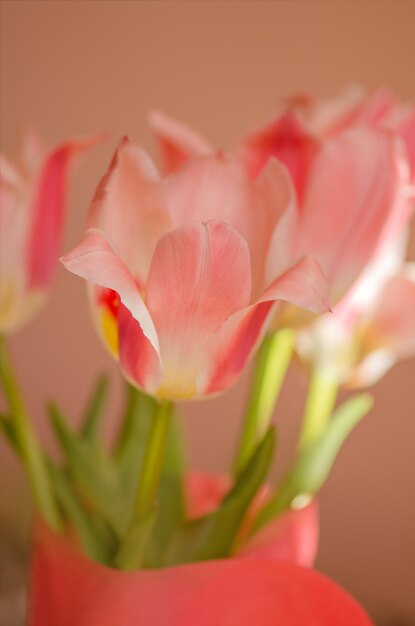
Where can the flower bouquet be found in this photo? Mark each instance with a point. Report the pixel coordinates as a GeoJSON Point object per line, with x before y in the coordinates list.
{"type": "Point", "coordinates": [290, 244]}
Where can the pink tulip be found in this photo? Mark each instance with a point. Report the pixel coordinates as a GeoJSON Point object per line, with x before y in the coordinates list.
{"type": "Point", "coordinates": [388, 333]}
{"type": "Point", "coordinates": [32, 211]}
{"type": "Point", "coordinates": [68, 589]}
{"type": "Point", "coordinates": [182, 294]}
{"type": "Point", "coordinates": [297, 131]}
{"type": "Point", "coordinates": [366, 337]}
{"type": "Point", "coordinates": [349, 345]}
{"type": "Point", "coordinates": [378, 109]}
{"type": "Point", "coordinates": [350, 168]}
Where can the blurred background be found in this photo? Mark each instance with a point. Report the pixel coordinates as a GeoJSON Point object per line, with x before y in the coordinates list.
{"type": "Point", "coordinates": [70, 68]}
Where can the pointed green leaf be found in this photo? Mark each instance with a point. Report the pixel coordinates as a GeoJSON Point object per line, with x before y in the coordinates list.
{"type": "Point", "coordinates": [93, 473]}
{"type": "Point", "coordinates": [314, 464]}
{"type": "Point", "coordinates": [214, 535]}
{"type": "Point", "coordinates": [90, 539]}
{"type": "Point", "coordinates": [78, 517]}
{"type": "Point", "coordinates": [95, 409]}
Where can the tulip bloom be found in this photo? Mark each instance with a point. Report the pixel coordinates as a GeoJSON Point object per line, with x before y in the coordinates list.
{"type": "Point", "coordinates": [368, 335]}
{"type": "Point", "coordinates": [379, 109]}
{"type": "Point", "coordinates": [351, 181]}
{"type": "Point", "coordinates": [67, 588]}
{"type": "Point", "coordinates": [296, 133]}
{"type": "Point", "coordinates": [182, 295]}
{"type": "Point", "coordinates": [352, 165]}
{"type": "Point", "coordinates": [32, 210]}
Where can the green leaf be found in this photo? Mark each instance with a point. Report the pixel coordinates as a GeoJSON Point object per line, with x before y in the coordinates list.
{"type": "Point", "coordinates": [94, 411]}
{"type": "Point", "coordinates": [214, 535]}
{"type": "Point", "coordinates": [80, 519]}
{"type": "Point", "coordinates": [313, 465]}
{"type": "Point", "coordinates": [96, 544]}
{"type": "Point", "coordinates": [133, 547]}
{"type": "Point", "coordinates": [94, 474]}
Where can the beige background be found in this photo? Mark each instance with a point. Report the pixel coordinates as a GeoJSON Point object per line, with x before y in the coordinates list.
{"type": "Point", "coordinates": [74, 67]}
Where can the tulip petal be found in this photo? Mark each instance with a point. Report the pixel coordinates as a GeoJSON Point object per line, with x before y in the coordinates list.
{"type": "Point", "coordinates": [232, 345]}
{"type": "Point", "coordinates": [394, 318]}
{"type": "Point", "coordinates": [276, 194]}
{"type": "Point", "coordinates": [14, 307]}
{"type": "Point", "coordinates": [406, 129]}
{"type": "Point", "coordinates": [218, 187]}
{"type": "Point", "coordinates": [304, 284]}
{"type": "Point", "coordinates": [177, 142]}
{"type": "Point", "coordinates": [95, 260]}
{"type": "Point", "coordinates": [12, 217]}
{"type": "Point", "coordinates": [353, 202]}
{"type": "Point", "coordinates": [138, 358]}
{"type": "Point", "coordinates": [352, 109]}
{"type": "Point", "coordinates": [129, 206]}
{"type": "Point", "coordinates": [48, 211]}
{"type": "Point", "coordinates": [199, 276]}
{"type": "Point", "coordinates": [285, 138]}
{"type": "Point", "coordinates": [204, 492]}
{"type": "Point", "coordinates": [9, 175]}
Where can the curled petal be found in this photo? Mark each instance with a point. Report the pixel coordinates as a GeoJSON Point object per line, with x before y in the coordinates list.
{"type": "Point", "coordinates": [232, 346]}
{"type": "Point", "coordinates": [140, 362]}
{"type": "Point", "coordinates": [129, 206]}
{"type": "Point", "coordinates": [177, 142]}
{"type": "Point", "coordinates": [95, 260]}
{"type": "Point", "coordinates": [303, 285]}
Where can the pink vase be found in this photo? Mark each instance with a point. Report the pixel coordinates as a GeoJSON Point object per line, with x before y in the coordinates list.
{"type": "Point", "coordinates": [262, 586]}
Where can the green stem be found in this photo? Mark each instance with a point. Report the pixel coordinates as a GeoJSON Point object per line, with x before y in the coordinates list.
{"type": "Point", "coordinates": [153, 461]}
{"type": "Point", "coordinates": [271, 366]}
{"type": "Point", "coordinates": [27, 443]}
{"type": "Point", "coordinates": [321, 398]}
